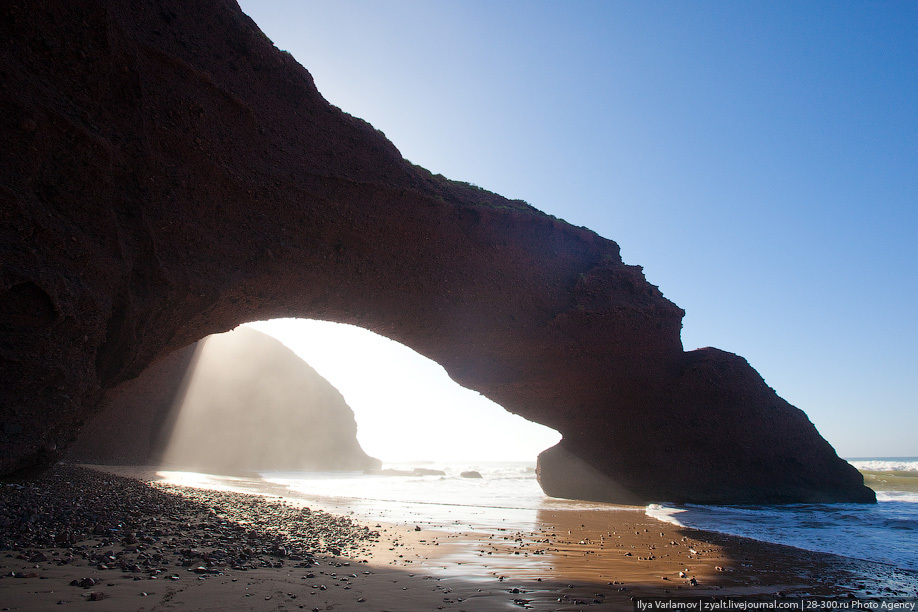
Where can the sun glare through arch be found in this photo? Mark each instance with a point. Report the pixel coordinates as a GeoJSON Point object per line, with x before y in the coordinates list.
{"type": "Point", "coordinates": [406, 406]}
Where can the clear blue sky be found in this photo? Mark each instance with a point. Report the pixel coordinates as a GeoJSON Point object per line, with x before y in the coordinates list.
{"type": "Point", "coordinates": [759, 159]}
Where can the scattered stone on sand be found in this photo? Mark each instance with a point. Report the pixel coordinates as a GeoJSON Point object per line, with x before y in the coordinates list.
{"type": "Point", "coordinates": [151, 528]}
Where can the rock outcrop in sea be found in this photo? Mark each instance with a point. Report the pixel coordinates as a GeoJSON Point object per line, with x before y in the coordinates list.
{"type": "Point", "coordinates": [231, 403]}
{"type": "Point", "coordinates": [167, 173]}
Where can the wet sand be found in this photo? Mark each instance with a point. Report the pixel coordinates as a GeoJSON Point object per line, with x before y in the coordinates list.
{"type": "Point", "coordinates": [83, 538]}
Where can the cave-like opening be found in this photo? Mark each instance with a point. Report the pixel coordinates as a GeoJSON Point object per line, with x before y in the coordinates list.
{"type": "Point", "coordinates": [307, 395]}
{"type": "Point", "coordinates": [406, 406]}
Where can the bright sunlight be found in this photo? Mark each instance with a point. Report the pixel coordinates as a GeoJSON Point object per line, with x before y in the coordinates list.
{"type": "Point", "coordinates": [407, 407]}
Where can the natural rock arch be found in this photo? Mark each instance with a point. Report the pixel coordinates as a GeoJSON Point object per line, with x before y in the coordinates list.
{"type": "Point", "coordinates": [167, 174]}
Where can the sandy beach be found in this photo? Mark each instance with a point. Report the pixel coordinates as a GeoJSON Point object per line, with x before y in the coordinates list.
{"type": "Point", "coordinates": [122, 540]}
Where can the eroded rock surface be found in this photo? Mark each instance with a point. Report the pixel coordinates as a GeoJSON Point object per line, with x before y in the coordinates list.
{"type": "Point", "coordinates": [167, 174]}
{"type": "Point", "coordinates": [233, 402]}
{"type": "Point", "coordinates": [135, 419]}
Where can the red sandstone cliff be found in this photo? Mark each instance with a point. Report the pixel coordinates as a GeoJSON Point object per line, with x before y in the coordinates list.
{"type": "Point", "coordinates": [134, 420]}
{"type": "Point", "coordinates": [167, 174]}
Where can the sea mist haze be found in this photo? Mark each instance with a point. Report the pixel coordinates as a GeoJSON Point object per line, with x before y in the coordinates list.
{"type": "Point", "coordinates": [406, 406]}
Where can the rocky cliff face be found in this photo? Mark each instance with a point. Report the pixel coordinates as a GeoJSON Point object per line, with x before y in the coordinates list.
{"type": "Point", "coordinates": [232, 402]}
{"type": "Point", "coordinates": [134, 420]}
{"type": "Point", "coordinates": [167, 174]}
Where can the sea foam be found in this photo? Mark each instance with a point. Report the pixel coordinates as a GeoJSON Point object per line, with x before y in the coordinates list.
{"type": "Point", "coordinates": [886, 464]}
{"type": "Point", "coordinates": [885, 532]}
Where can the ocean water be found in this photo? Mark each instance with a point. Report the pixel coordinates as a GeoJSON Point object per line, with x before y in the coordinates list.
{"type": "Point", "coordinates": [886, 532]}
{"type": "Point", "coordinates": [508, 498]}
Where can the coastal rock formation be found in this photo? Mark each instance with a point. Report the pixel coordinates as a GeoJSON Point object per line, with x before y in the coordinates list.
{"type": "Point", "coordinates": [167, 174]}
{"type": "Point", "coordinates": [135, 419]}
{"type": "Point", "coordinates": [232, 402]}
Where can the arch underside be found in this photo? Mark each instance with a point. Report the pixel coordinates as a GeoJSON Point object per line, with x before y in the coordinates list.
{"type": "Point", "coordinates": [167, 174]}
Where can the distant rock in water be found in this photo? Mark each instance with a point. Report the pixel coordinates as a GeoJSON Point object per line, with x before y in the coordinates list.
{"type": "Point", "coordinates": [470, 474]}
{"type": "Point", "coordinates": [428, 472]}
{"type": "Point", "coordinates": [233, 402]}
